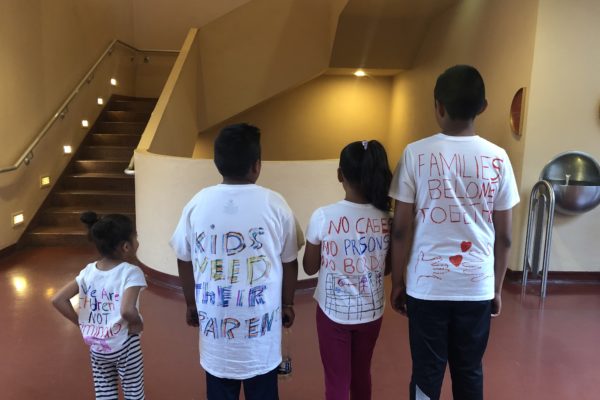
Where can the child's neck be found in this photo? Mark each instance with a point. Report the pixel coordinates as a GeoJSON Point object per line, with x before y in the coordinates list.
{"type": "Point", "coordinates": [106, 263]}
{"type": "Point", "coordinates": [459, 128]}
{"type": "Point", "coordinates": [355, 197]}
{"type": "Point", "coordinates": [234, 181]}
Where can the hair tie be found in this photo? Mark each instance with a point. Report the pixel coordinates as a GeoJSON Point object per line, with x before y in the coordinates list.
{"type": "Point", "coordinates": [365, 144]}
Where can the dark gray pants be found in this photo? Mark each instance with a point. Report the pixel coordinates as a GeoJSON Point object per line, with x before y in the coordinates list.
{"type": "Point", "coordinates": [448, 332]}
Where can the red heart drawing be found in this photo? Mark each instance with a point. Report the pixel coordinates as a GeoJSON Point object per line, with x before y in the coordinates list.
{"type": "Point", "coordinates": [456, 260]}
{"type": "Point", "coordinates": [465, 246]}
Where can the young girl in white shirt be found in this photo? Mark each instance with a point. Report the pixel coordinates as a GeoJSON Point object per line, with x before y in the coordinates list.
{"type": "Point", "coordinates": [108, 315]}
{"type": "Point", "coordinates": [347, 244]}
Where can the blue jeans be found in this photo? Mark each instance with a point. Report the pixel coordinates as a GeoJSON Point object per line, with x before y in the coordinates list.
{"type": "Point", "coordinates": [261, 387]}
{"type": "Point", "coordinates": [448, 332]}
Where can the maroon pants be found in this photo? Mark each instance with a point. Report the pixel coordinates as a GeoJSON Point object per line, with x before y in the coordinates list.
{"type": "Point", "coordinates": [346, 352]}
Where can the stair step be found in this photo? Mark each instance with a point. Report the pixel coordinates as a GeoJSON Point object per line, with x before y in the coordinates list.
{"type": "Point", "coordinates": [95, 179]}
{"type": "Point", "coordinates": [128, 105]}
{"type": "Point", "coordinates": [92, 199]}
{"type": "Point", "coordinates": [107, 152]}
{"type": "Point", "coordinates": [113, 139]}
{"type": "Point", "coordinates": [124, 116]}
{"type": "Point", "coordinates": [120, 127]}
{"type": "Point", "coordinates": [69, 216]}
{"type": "Point", "coordinates": [99, 181]}
{"type": "Point", "coordinates": [57, 236]}
{"type": "Point", "coordinates": [110, 166]}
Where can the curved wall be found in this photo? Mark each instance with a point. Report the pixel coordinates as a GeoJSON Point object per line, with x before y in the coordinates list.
{"type": "Point", "coordinates": [164, 184]}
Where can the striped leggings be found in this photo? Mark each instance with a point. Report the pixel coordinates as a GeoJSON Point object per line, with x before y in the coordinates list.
{"type": "Point", "coordinates": [126, 364]}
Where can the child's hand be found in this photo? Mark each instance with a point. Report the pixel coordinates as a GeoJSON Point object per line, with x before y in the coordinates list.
{"type": "Point", "coordinates": [496, 305]}
{"type": "Point", "coordinates": [398, 299]}
{"type": "Point", "coordinates": [191, 316]}
{"type": "Point", "coordinates": [287, 316]}
{"type": "Point", "coordinates": [136, 328]}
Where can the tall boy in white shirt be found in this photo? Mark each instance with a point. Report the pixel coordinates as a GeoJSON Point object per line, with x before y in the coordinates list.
{"type": "Point", "coordinates": [454, 193]}
{"type": "Point", "coordinates": [236, 246]}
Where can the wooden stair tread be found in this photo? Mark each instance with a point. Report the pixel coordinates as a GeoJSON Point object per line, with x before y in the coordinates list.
{"type": "Point", "coordinates": [99, 210]}
{"type": "Point", "coordinates": [122, 97]}
{"type": "Point", "coordinates": [110, 175]}
{"type": "Point", "coordinates": [62, 230]}
{"type": "Point", "coordinates": [108, 146]}
{"type": "Point", "coordinates": [115, 158]}
{"type": "Point", "coordinates": [96, 192]}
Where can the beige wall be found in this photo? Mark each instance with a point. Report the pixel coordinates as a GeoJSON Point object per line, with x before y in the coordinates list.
{"type": "Point", "coordinates": [261, 49]}
{"type": "Point", "coordinates": [151, 76]}
{"type": "Point", "coordinates": [47, 48]}
{"type": "Point", "coordinates": [173, 126]}
{"type": "Point", "coordinates": [316, 120]}
{"type": "Point", "coordinates": [165, 184]}
{"type": "Point", "coordinates": [164, 24]}
{"type": "Point", "coordinates": [495, 36]}
{"type": "Point", "coordinates": [563, 115]}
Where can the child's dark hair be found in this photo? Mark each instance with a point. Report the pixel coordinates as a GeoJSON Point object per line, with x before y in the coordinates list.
{"type": "Point", "coordinates": [237, 148]}
{"type": "Point", "coordinates": [108, 232]}
{"type": "Point", "coordinates": [460, 89]}
{"type": "Point", "coordinates": [365, 165]}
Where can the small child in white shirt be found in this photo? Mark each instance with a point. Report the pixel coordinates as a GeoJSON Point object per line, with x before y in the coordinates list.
{"type": "Point", "coordinates": [108, 315]}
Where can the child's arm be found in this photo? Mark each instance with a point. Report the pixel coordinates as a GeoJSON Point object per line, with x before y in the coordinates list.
{"type": "Point", "coordinates": [502, 243]}
{"type": "Point", "coordinates": [186, 274]}
{"type": "Point", "coordinates": [62, 301]}
{"type": "Point", "coordinates": [312, 258]}
{"type": "Point", "coordinates": [388, 262]}
{"type": "Point", "coordinates": [402, 231]}
{"type": "Point", "coordinates": [129, 311]}
{"type": "Point", "coordinates": [290, 277]}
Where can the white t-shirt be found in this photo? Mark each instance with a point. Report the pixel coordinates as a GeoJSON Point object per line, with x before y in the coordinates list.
{"type": "Point", "coordinates": [237, 237]}
{"type": "Point", "coordinates": [455, 183]}
{"type": "Point", "coordinates": [354, 240]}
{"type": "Point", "coordinates": [100, 294]}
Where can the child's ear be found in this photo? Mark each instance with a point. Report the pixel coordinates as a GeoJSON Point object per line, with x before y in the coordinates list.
{"type": "Point", "coordinates": [485, 104]}
{"type": "Point", "coordinates": [126, 247]}
{"type": "Point", "coordinates": [439, 109]}
{"type": "Point", "coordinates": [257, 167]}
{"type": "Point", "coordinates": [340, 175]}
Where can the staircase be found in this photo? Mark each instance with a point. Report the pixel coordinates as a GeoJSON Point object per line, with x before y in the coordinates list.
{"type": "Point", "coordinates": [94, 179]}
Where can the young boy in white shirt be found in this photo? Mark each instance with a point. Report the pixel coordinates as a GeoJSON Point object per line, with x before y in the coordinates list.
{"type": "Point", "coordinates": [454, 194]}
{"type": "Point", "coordinates": [236, 246]}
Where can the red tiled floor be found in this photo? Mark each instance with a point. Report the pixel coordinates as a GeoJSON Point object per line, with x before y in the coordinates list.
{"type": "Point", "coordinates": [548, 353]}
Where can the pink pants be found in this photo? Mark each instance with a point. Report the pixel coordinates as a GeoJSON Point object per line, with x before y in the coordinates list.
{"type": "Point", "coordinates": [346, 352]}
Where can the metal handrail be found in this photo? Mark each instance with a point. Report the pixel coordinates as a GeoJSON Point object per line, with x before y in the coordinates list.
{"type": "Point", "coordinates": [28, 153]}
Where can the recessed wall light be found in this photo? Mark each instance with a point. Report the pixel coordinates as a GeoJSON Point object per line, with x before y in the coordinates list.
{"type": "Point", "coordinates": [18, 218]}
{"type": "Point", "coordinates": [360, 73]}
{"type": "Point", "coordinates": [113, 81]}
{"type": "Point", "coordinates": [100, 101]}
{"type": "Point", "coordinates": [85, 123]}
{"type": "Point", "coordinates": [67, 149]}
{"type": "Point", "coordinates": [44, 181]}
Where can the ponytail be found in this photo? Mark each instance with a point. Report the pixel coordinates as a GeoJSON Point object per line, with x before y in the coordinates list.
{"type": "Point", "coordinates": [365, 164]}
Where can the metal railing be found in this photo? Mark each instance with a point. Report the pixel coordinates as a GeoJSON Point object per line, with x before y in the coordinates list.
{"type": "Point", "coordinates": [539, 226]}
{"type": "Point", "coordinates": [27, 155]}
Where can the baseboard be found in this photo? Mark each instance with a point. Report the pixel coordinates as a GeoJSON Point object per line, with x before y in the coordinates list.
{"type": "Point", "coordinates": [557, 277]}
{"type": "Point", "coordinates": [8, 250]}
{"type": "Point", "coordinates": [305, 284]}
{"type": "Point", "coordinates": [173, 283]}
